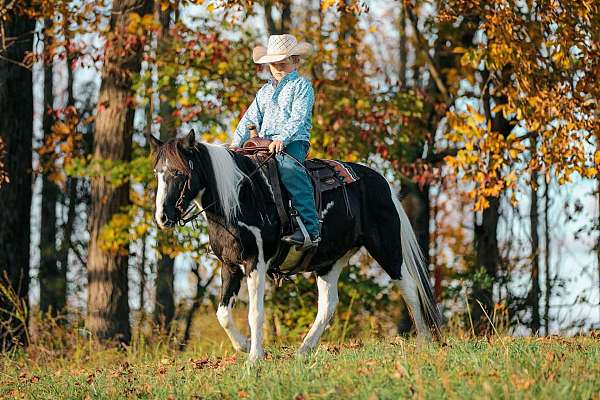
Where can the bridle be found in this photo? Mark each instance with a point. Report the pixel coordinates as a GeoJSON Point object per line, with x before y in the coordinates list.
{"type": "Point", "coordinates": [190, 214]}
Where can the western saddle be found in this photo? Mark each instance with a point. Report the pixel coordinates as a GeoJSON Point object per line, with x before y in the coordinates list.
{"type": "Point", "coordinates": [325, 175]}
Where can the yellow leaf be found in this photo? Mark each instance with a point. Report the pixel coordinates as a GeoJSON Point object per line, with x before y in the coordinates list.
{"type": "Point", "coordinates": [134, 20]}
{"type": "Point", "coordinates": [478, 118]}
{"type": "Point", "coordinates": [60, 128]}
{"type": "Point", "coordinates": [481, 204]}
{"type": "Point", "coordinates": [373, 28]}
{"type": "Point", "coordinates": [325, 4]}
{"type": "Point", "coordinates": [497, 108]}
{"type": "Point", "coordinates": [597, 157]}
{"type": "Point", "coordinates": [148, 20]}
{"type": "Point", "coordinates": [590, 172]}
{"type": "Point", "coordinates": [210, 7]}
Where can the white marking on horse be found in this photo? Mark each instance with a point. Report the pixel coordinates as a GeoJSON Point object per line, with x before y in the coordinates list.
{"type": "Point", "coordinates": [328, 300]}
{"type": "Point", "coordinates": [327, 207]}
{"type": "Point", "coordinates": [228, 177]}
{"type": "Point", "coordinates": [225, 317]}
{"type": "Point", "coordinates": [256, 294]}
{"type": "Point", "coordinates": [262, 173]}
{"type": "Point", "coordinates": [161, 195]}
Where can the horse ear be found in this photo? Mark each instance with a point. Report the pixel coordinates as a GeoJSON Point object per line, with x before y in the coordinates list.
{"type": "Point", "coordinates": [189, 142]}
{"type": "Point", "coordinates": [154, 143]}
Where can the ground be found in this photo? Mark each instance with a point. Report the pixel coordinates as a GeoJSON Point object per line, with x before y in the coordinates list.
{"type": "Point", "coordinates": [386, 368]}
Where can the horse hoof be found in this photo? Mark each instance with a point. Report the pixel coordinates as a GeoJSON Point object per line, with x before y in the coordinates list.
{"type": "Point", "coordinates": [303, 351]}
{"type": "Point", "coordinates": [244, 347]}
{"type": "Point", "coordinates": [253, 358]}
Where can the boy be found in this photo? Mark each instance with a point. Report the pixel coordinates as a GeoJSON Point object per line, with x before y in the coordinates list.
{"type": "Point", "coordinates": [282, 112]}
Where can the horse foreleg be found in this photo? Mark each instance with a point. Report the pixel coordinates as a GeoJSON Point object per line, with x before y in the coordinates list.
{"type": "Point", "coordinates": [256, 311]}
{"type": "Point", "coordinates": [328, 300]}
{"type": "Point", "coordinates": [231, 278]}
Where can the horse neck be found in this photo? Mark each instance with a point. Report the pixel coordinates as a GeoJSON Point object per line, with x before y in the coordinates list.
{"type": "Point", "coordinates": [260, 191]}
{"type": "Point", "coordinates": [205, 174]}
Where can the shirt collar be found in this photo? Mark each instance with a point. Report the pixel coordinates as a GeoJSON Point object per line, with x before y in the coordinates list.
{"type": "Point", "coordinates": [291, 76]}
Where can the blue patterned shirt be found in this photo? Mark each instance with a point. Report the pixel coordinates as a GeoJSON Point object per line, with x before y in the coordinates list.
{"type": "Point", "coordinates": [280, 111]}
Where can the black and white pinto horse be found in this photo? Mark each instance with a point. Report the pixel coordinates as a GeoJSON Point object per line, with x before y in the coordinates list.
{"type": "Point", "coordinates": [244, 234]}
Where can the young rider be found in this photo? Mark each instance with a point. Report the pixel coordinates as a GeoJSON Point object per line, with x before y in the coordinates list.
{"type": "Point", "coordinates": [282, 111]}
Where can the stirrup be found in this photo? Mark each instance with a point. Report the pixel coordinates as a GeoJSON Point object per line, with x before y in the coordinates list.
{"type": "Point", "coordinates": [307, 242]}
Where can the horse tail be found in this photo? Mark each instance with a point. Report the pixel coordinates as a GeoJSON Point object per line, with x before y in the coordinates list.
{"type": "Point", "coordinates": [414, 261]}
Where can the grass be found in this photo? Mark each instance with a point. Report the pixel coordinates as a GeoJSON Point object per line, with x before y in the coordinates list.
{"type": "Point", "coordinates": [390, 368]}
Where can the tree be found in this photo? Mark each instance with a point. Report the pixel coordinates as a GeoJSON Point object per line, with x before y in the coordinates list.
{"type": "Point", "coordinates": [285, 10]}
{"type": "Point", "coordinates": [545, 98]}
{"type": "Point", "coordinates": [108, 307]}
{"type": "Point", "coordinates": [16, 128]}
{"type": "Point", "coordinates": [164, 307]}
{"type": "Point", "coordinates": [52, 280]}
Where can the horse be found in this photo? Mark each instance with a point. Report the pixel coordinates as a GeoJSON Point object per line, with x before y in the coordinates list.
{"type": "Point", "coordinates": [244, 234]}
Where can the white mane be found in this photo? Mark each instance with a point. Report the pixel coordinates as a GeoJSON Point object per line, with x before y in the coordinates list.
{"type": "Point", "coordinates": [228, 177]}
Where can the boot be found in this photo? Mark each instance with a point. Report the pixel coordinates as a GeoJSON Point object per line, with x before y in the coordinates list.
{"type": "Point", "coordinates": [297, 239]}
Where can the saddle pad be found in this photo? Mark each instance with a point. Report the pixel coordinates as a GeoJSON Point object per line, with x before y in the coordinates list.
{"type": "Point", "coordinates": [343, 172]}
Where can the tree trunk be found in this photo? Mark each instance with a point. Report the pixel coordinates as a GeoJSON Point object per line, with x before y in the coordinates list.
{"type": "Point", "coordinates": [143, 281]}
{"type": "Point", "coordinates": [403, 48]}
{"type": "Point", "coordinates": [52, 286]}
{"type": "Point", "coordinates": [108, 307]}
{"type": "Point", "coordinates": [485, 233]}
{"type": "Point", "coordinates": [285, 19]}
{"type": "Point", "coordinates": [548, 291]}
{"type": "Point", "coordinates": [534, 294]}
{"type": "Point", "coordinates": [164, 307]}
{"type": "Point", "coordinates": [487, 256]}
{"type": "Point", "coordinates": [16, 128]}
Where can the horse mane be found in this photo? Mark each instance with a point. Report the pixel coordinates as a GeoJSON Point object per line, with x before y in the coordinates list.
{"type": "Point", "coordinates": [228, 178]}
{"type": "Point", "coordinates": [224, 173]}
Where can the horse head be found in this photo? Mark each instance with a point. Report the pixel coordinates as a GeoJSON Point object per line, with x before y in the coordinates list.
{"type": "Point", "coordinates": [179, 183]}
{"type": "Point", "coordinates": [187, 170]}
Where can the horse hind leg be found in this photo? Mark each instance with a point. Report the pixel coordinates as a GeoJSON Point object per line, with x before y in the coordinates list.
{"type": "Point", "coordinates": [390, 259]}
{"type": "Point", "coordinates": [328, 300]}
{"type": "Point", "coordinates": [388, 252]}
{"type": "Point", "coordinates": [410, 294]}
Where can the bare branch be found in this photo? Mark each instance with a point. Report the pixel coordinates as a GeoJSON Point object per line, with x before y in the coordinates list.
{"type": "Point", "coordinates": [435, 74]}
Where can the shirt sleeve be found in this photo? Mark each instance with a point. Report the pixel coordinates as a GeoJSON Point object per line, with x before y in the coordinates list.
{"type": "Point", "coordinates": [300, 116]}
{"type": "Point", "coordinates": [252, 115]}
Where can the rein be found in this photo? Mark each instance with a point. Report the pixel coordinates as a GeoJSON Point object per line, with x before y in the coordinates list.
{"type": "Point", "coordinates": [182, 221]}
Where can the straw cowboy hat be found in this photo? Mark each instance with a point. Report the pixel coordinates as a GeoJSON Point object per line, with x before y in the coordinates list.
{"type": "Point", "coordinates": [279, 48]}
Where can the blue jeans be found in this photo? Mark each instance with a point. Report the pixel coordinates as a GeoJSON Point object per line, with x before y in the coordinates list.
{"type": "Point", "coordinates": [298, 184]}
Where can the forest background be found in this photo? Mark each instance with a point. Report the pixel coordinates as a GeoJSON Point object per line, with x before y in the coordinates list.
{"type": "Point", "coordinates": [483, 112]}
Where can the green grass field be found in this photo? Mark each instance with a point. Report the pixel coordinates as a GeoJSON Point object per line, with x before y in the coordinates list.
{"type": "Point", "coordinates": [392, 368]}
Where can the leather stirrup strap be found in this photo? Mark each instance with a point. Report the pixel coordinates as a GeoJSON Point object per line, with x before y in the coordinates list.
{"type": "Point", "coordinates": [273, 177]}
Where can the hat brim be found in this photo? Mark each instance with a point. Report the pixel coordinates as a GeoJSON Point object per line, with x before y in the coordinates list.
{"type": "Point", "coordinates": [260, 56]}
